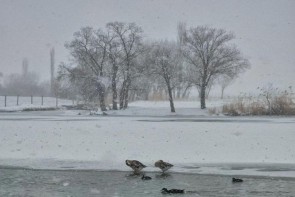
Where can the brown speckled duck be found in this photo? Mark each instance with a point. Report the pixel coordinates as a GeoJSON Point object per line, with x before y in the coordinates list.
{"type": "Point", "coordinates": [164, 166]}
{"type": "Point", "coordinates": [135, 165]}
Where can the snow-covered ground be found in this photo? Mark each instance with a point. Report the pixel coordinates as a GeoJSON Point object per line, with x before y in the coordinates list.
{"type": "Point", "coordinates": [194, 144]}
{"type": "Point", "coordinates": [162, 108]}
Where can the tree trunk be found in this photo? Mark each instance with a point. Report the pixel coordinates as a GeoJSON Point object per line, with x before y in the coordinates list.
{"type": "Point", "coordinates": [114, 85]}
{"type": "Point", "coordinates": [170, 95]}
{"type": "Point", "coordinates": [102, 103]}
{"type": "Point", "coordinates": [122, 96]}
{"type": "Point", "coordinates": [171, 99]}
{"type": "Point", "coordinates": [101, 93]}
{"type": "Point", "coordinates": [126, 94]}
{"type": "Point", "coordinates": [199, 92]}
{"type": "Point", "coordinates": [115, 94]}
{"type": "Point", "coordinates": [203, 96]}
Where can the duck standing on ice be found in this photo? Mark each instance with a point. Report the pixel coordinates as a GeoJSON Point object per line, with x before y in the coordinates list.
{"type": "Point", "coordinates": [164, 166]}
{"type": "Point", "coordinates": [135, 165]}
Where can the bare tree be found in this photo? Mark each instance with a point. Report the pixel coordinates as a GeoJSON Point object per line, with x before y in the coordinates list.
{"type": "Point", "coordinates": [115, 59]}
{"type": "Point", "coordinates": [165, 61]}
{"type": "Point", "coordinates": [209, 51]}
{"type": "Point", "coordinates": [129, 35]}
{"type": "Point", "coordinates": [89, 50]}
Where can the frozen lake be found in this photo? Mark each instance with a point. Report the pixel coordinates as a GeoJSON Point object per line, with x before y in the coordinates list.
{"type": "Point", "coordinates": [61, 153]}
{"type": "Point", "coordinates": [75, 183]}
{"type": "Point", "coordinates": [198, 144]}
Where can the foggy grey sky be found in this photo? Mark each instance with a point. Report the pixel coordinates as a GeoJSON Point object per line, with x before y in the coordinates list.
{"type": "Point", "coordinates": [264, 29]}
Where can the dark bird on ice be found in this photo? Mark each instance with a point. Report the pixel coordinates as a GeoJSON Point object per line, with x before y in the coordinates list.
{"type": "Point", "coordinates": [146, 177]}
{"type": "Point", "coordinates": [235, 180]}
{"type": "Point", "coordinates": [135, 165]}
{"type": "Point", "coordinates": [172, 191]}
{"type": "Point", "coordinates": [164, 166]}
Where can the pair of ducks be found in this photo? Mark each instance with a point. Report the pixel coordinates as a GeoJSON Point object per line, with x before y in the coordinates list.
{"type": "Point", "coordinates": [138, 166]}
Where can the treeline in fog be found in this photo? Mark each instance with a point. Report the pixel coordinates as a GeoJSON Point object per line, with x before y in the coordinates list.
{"type": "Point", "coordinates": [25, 84]}
{"type": "Point", "coordinates": [116, 63]}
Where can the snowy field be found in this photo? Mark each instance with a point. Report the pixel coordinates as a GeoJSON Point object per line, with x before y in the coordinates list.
{"type": "Point", "coordinates": [191, 140]}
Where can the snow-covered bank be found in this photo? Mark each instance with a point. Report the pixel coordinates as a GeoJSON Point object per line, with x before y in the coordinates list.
{"type": "Point", "coordinates": [162, 108]}
{"type": "Point", "coordinates": [104, 142]}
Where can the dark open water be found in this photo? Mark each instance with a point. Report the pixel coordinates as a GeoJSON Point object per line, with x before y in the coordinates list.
{"type": "Point", "coordinates": [57, 183]}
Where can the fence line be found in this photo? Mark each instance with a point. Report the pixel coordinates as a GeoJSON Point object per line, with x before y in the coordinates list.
{"type": "Point", "coordinates": [8, 101]}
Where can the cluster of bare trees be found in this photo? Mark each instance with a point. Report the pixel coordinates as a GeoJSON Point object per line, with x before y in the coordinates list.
{"type": "Point", "coordinates": [116, 60]}
{"type": "Point", "coordinates": [104, 58]}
